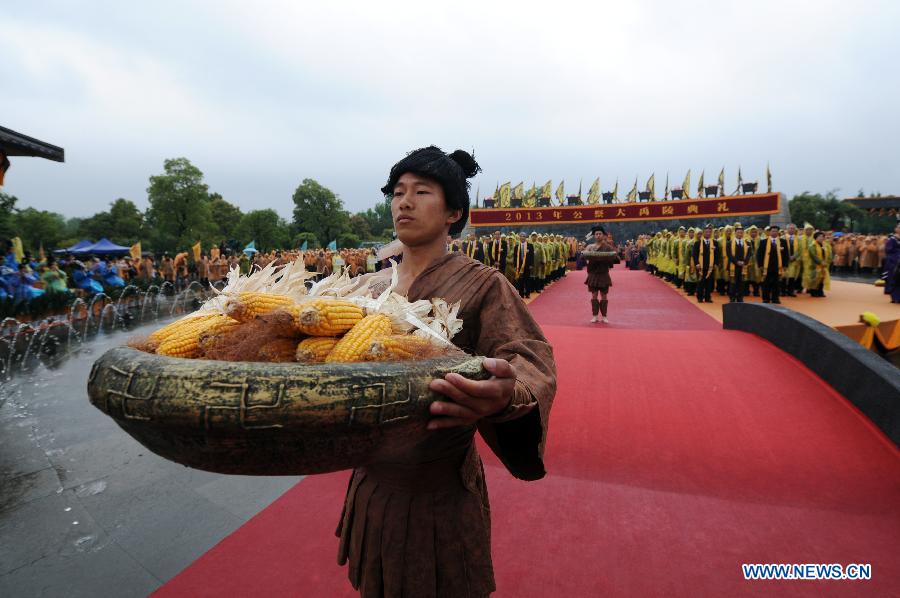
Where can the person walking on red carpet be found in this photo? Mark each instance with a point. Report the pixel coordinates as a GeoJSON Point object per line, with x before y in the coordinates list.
{"type": "Point", "coordinates": [703, 263]}
{"type": "Point", "coordinates": [598, 279]}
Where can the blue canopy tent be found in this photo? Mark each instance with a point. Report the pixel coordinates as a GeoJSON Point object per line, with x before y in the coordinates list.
{"type": "Point", "coordinates": [103, 247]}
{"type": "Point", "coordinates": [76, 247]}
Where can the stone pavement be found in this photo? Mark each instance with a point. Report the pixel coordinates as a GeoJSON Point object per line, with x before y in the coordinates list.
{"type": "Point", "coordinates": [87, 511]}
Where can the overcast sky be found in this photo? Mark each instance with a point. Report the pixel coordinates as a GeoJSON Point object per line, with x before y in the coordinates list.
{"type": "Point", "coordinates": [261, 95]}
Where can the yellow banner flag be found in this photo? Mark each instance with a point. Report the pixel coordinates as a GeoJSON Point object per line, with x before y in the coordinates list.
{"type": "Point", "coordinates": [594, 192]}
{"type": "Point", "coordinates": [632, 195]}
{"type": "Point", "coordinates": [18, 250]}
{"type": "Point", "coordinates": [518, 191]}
{"type": "Point", "coordinates": [196, 249]}
{"type": "Point", "coordinates": [504, 195]}
{"type": "Point", "coordinates": [547, 189]}
{"type": "Point", "coordinates": [686, 185]}
{"type": "Point", "coordinates": [700, 184]}
{"type": "Point", "coordinates": [651, 186]}
{"type": "Point", "coordinates": [135, 251]}
{"type": "Point", "coordinates": [531, 197]}
{"type": "Point", "coordinates": [561, 193]}
{"type": "Point", "coordinates": [616, 191]}
{"type": "Point", "coordinates": [722, 182]}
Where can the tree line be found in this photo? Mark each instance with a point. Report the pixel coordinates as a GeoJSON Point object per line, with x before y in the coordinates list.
{"type": "Point", "coordinates": [828, 212]}
{"type": "Point", "coordinates": [182, 210]}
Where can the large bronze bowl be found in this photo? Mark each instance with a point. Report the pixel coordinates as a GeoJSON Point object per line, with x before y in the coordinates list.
{"type": "Point", "coordinates": [270, 418]}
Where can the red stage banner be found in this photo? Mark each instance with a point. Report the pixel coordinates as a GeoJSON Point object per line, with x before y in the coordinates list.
{"type": "Point", "coordinates": [713, 207]}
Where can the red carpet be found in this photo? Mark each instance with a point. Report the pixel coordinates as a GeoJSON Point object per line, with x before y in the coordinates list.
{"type": "Point", "coordinates": [636, 300]}
{"type": "Point", "coordinates": [676, 453]}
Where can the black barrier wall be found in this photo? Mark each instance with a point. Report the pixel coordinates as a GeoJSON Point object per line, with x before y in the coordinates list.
{"type": "Point", "coordinates": [867, 380]}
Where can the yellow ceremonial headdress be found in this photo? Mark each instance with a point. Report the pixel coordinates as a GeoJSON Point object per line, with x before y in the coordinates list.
{"type": "Point", "coordinates": [808, 226]}
{"type": "Point", "coordinates": [738, 225]}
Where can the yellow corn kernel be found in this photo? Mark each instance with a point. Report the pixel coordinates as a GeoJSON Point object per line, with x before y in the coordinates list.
{"type": "Point", "coordinates": [327, 317]}
{"type": "Point", "coordinates": [354, 344]}
{"type": "Point", "coordinates": [315, 349]}
{"type": "Point", "coordinates": [250, 305]}
{"type": "Point", "coordinates": [278, 350]}
{"type": "Point", "coordinates": [172, 328]}
{"type": "Point", "coordinates": [401, 347]}
{"type": "Point", "coordinates": [186, 342]}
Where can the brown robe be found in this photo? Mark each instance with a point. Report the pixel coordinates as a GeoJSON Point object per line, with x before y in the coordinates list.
{"type": "Point", "coordinates": [598, 278]}
{"type": "Point", "coordinates": [421, 527]}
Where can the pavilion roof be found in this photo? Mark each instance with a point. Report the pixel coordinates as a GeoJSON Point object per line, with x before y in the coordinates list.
{"type": "Point", "coordinates": [13, 143]}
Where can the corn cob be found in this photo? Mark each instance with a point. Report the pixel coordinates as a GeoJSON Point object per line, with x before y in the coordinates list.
{"type": "Point", "coordinates": [315, 349]}
{"type": "Point", "coordinates": [175, 327]}
{"type": "Point", "coordinates": [327, 317]}
{"type": "Point", "coordinates": [250, 305]}
{"type": "Point", "coordinates": [278, 350]}
{"type": "Point", "coordinates": [354, 344]}
{"type": "Point", "coordinates": [186, 342]}
{"type": "Point", "coordinates": [401, 347]}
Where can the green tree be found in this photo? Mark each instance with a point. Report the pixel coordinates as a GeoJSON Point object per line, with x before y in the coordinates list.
{"type": "Point", "coordinates": [7, 210]}
{"type": "Point", "coordinates": [359, 226]}
{"type": "Point", "coordinates": [265, 227]}
{"type": "Point", "coordinates": [227, 215]}
{"type": "Point", "coordinates": [73, 226]}
{"type": "Point", "coordinates": [128, 222]}
{"type": "Point", "coordinates": [39, 228]}
{"type": "Point", "coordinates": [347, 241]}
{"type": "Point", "coordinates": [810, 208]}
{"type": "Point", "coordinates": [312, 242]}
{"type": "Point", "coordinates": [96, 226]}
{"type": "Point", "coordinates": [179, 212]}
{"type": "Point", "coordinates": [319, 211]}
{"type": "Point", "coordinates": [379, 217]}
{"type": "Point", "coordinates": [122, 224]}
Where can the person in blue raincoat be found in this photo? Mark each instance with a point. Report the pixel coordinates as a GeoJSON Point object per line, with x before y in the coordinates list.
{"type": "Point", "coordinates": [83, 279]}
{"type": "Point", "coordinates": [19, 284]}
{"type": "Point", "coordinates": [108, 274]}
{"type": "Point", "coordinates": [7, 282]}
{"type": "Point", "coordinates": [10, 260]}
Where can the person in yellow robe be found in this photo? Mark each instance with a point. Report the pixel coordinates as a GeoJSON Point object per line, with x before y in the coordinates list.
{"type": "Point", "coordinates": [690, 275]}
{"type": "Point", "coordinates": [817, 278]}
{"type": "Point", "coordinates": [754, 271]}
{"type": "Point", "coordinates": [791, 283]}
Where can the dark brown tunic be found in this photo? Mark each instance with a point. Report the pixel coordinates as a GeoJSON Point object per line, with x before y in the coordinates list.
{"type": "Point", "coordinates": [421, 527]}
{"type": "Point", "coordinates": [598, 278]}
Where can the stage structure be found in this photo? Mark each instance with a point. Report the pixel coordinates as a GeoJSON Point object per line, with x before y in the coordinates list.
{"type": "Point", "coordinates": [713, 207]}
{"type": "Point", "coordinates": [887, 205]}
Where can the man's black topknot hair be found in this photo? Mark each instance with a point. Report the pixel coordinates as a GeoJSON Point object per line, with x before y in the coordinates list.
{"type": "Point", "coordinates": [451, 171]}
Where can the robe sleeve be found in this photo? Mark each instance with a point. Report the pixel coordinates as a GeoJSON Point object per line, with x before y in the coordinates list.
{"type": "Point", "coordinates": [507, 331]}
